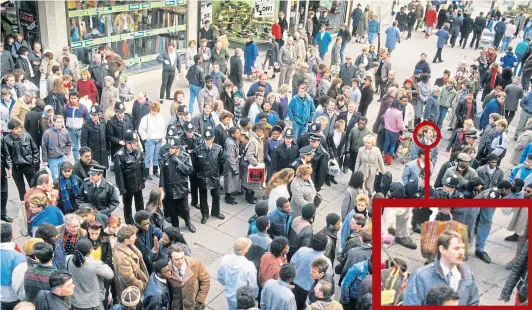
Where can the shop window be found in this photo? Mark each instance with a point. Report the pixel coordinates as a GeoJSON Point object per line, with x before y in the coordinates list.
{"type": "Point", "coordinates": [20, 17]}
{"type": "Point", "coordinates": [137, 30]}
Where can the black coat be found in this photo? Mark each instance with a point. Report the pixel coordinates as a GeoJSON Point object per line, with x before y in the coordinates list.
{"type": "Point", "coordinates": [519, 273]}
{"type": "Point", "coordinates": [479, 24]}
{"type": "Point", "coordinates": [208, 165]}
{"type": "Point", "coordinates": [5, 158]}
{"type": "Point", "coordinates": [139, 111]}
{"type": "Point", "coordinates": [366, 97]}
{"type": "Point", "coordinates": [229, 102]}
{"type": "Point", "coordinates": [22, 149]}
{"type": "Point", "coordinates": [461, 110]}
{"type": "Point", "coordinates": [336, 152]}
{"type": "Point", "coordinates": [320, 166]}
{"type": "Point", "coordinates": [129, 165]}
{"type": "Point", "coordinates": [103, 198]}
{"type": "Point", "coordinates": [94, 136]}
{"type": "Point", "coordinates": [115, 130]}
{"type": "Point", "coordinates": [32, 124]}
{"type": "Point", "coordinates": [220, 135]}
{"type": "Point", "coordinates": [174, 174]}
{"type": "Point", "coordinates": [46, 300]}
{"type": "Point", "coordinates": [411, 18]}
{"type": "Point", "coordinates": [81, 170]}
{"type": "Point", "coordinates": [282, 156]}
{"type": "Point", "coordinates": [23, 64]}
{"type": "Point", "coordinates": [57, 101]}
{"type": "Point", "coordinates": [467, 26]}
{"type": "Point", "coordinates": [98, 73]}
{"type": "Point", "coordinates": [349, 124]}
{"type": "Point", "coordinates": [235, 71]}
{"type": "Point", "coordinates": [200, 124]}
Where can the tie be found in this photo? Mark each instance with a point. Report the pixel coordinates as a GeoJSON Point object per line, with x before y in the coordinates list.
{"type": "Point", "coordinates": [450, 279]}
{"type": "Point", "coordinates": [180, 273]}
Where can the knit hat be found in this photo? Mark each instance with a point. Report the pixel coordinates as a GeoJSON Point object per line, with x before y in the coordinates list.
{"type": "Point", "coordinates": [28, 245]}
{"type": "Point", "coordinates": [131, 296]}
{"type": "Point", "coordinates": [242, 244]}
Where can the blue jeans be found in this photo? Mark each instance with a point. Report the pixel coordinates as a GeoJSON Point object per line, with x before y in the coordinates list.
{"type": "Point", "coordinates": [466, 216]}
{"type": "Point", "coordinates": [322, 56]}
{"type": "Point", "coordinates": [443, 113]}
{"type": "Point", "coordinates": [75, 136]}
{"type": "Point", "coordinates": [527, 32]}
{"type": "Point", "coordinates": [520, 65]}
{"type": "Point", "coordinates": [342, 50]}
{"type": "Point", "coordinates": [372, 37]}
{"type": "Point", "coordinates": [152, 152]}
{"type": "Point", "coordinates": [390, 139]}
{"type": "Point", "coordinates": [525, 82]}
{"type": "Point", "coordinates": [54, 164]}
{"type": "Point", "coordinates": [194, 92]}
{"type": "Point", "coordinates": [299, 129]}
{"type": "Point", "coordinates": [505, 43]}
{"type": "Point", "coordinates": [484, 227]}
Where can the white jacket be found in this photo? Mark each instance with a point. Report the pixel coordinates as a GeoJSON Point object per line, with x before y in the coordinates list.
{"type": "Point", "coordinates": [276, 193]}
{"type": "Point", "coordinates": [152, 127]}
{"type": "Point", "coordinates": [410, 114]}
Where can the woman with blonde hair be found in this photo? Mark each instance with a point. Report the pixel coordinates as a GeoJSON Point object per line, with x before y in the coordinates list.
{"type": "Point", "coordinates": [369, 161]}
{"type": "Point", "coordinates": [278, 187]}
{"type": "Point", "coordinates": [86, 87]}
{"type": "Point", "coordinates": [152, 130]}
{"type": "Point", "coordinates": [57, 97]}
{"type": "Point", "coordinates": [109, 94]}
{"type": "Point", "coordinates": [302, 189]}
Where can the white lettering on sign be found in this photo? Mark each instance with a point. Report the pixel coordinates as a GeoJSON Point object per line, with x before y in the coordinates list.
{"type": "Point", "coordinates": [264, 8]}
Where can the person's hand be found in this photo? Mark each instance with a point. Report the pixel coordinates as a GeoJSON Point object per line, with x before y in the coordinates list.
{"type": "Point", "coordinates": [117, 74]}
{"type": "Point", "coordinates": [122, 143]}
{"type": "Point", "coordinates": [45, 163]}
{"type": "Point", "coordinates": [9, 173]}
{"type": "Point", "coordinates": [166, 62]}
{"type": "Point", "coordinates": [155, 244]}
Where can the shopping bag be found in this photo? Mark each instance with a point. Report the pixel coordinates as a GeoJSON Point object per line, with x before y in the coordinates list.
{"type": "Point", "coordinates": [334, 168]}
{"type": "Point", "coordinates": [256, 174]}
{"type": "Point", "coordinates": [388, 292]}
{"type": "Point", "coordinates": [431, 231]}
{"type": "Point", "coordinates": [22, 223]}
{"type": "Point", "coordinates": [335, 70]}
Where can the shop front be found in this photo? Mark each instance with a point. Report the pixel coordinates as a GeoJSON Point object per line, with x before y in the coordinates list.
{"type": "Point", "coordinates": [20, 17]}
{"type": "Point", "coordinates": [138, 31]}
{"type": "Point", "coordinates": [337, 12]}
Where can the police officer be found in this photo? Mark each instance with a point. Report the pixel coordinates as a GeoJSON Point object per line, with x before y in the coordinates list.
{"type": "Point", "coordinates": [449, 190]}
{"type": "Point", "coordinates": [93, 135]}
{"type": "Point", "coordinates": [320, 162]}
{"type": "Point", "coordinates": [97, 191]}
{"type": "Point", "coordinates": [171, 131]}
{"type": "Point", "coordinates": [303, 139]}
{"type": "Point", "coordinates": [286, 153]}
{"type": "Point", "coordinates": [208, 159]}
{"type": "Point", "coordinates": [305, 157]}
{"type": "Point", "coordinates": [180, 119]}
{"type": "Point", "coordinates": [191, 140]}
{"type": "Point", "coordinates": [129, 165]}
{"type": "Point", "coordinates": [176, 166]}
{"type": "Point", "coordinates": [416, 190]}
{"type": "Point", "coordinates": [116, 128]}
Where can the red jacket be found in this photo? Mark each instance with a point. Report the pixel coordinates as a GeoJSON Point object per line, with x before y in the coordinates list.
{"type": "Point", "coordinates": [88, 88]}
{"type": "Point", "coordinates": [431, 18]}
{"type": "Point", "coordinates": [276, 31]}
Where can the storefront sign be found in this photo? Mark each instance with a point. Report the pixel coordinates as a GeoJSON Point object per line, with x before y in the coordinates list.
{"type": "Point", "coordinates": [26, 19]}
{"type": "Point", "coordinates": [206, 12]}
{"type": "Point", "coordinates": [125, 8]}
{"type": "Point", "coordinates": [264, 8]}
{"type": "Point", "coordinates": [326, 4]}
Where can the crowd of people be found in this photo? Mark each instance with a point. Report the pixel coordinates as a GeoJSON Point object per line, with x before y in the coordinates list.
{"type": "Point", "coordinates": [288, 142]}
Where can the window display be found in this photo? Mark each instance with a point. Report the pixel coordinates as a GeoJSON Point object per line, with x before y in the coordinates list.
{"type": "Point", "coordinates": [20, 17]}
{"type": "Point", "coordinates": [137, 31]}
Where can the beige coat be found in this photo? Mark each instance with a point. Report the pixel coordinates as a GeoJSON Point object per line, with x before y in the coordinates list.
{"type": "Point", "coordinates": [519, 221]}
{"type": "Point", "coordinates": [20, 109]}
{"type": "Point", "coordinates": [523, 139]}
{"type": "Point", "coordinates": [109, 97]}
{"type": "Point", "coordinates": [255, 156]}
{"type": "Point", "coordinates": [129, 268]}
{"type": "Point", "coordinates": [302, 193]}
{"type": "Point", "coordinates": [370, 163]}
{"type": "Point", "coordinates": [193, 288]}
{"type": "Point", "coordinates": [323, 305]}
{"type": "Point", "coordinates": [301, 50]}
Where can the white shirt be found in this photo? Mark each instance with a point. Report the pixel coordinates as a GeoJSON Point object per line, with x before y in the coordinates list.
{"type": "Point", "coordinates": [172, 58]}
{"type": "Point", "coordinates": [456, 277]}
{"type": "Point", "coordinates": [337, 136]}
{"type": "Point", "coordinates": [183, 269]}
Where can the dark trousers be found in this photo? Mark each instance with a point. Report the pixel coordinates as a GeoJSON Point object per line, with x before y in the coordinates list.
{"type": "Point", "coordinates": [4, 193]}
{"type": "Point", "coordinates": [168, 79]}
{"type": "Point", "coordinates": [178, 208]}
{"type": "Point", "coordinates": [438, 55]}
{"type": "Point", "coordinates": [497, 39]}
{"type": "Point", "coordinates": [301, 297]}
{"type": "Point", "coordinates": [476, 39]}
{"type": "Point", "coordinates": [194, 190]}
{"type": "Point", "coordinates": [463, 40]}
{"type": "Point", "coordinates": [509, 115]}
{"type": "Point", "coordinates": [382, 88]}
{"type": "Point", "coordinates": [410, 28]}
{"type": "Point", "coordinates": [127, 199]}
{"type": "Point", "coordinates": [215, 195]}
{"type": "Point", "coordinates": [19, 173]}
{"type": "Point", "coordinates": [453, 40]}
{"type": "Point", "coordinates": [9, 305]}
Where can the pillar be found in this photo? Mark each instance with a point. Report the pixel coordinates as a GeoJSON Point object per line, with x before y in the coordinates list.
{"type": "Point", "coordinates": [192, 21]}
{"type": "Point", "coordinates": [54, 24]}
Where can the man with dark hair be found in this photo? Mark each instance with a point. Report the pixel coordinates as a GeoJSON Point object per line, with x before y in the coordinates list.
{"type": "Point", "coordinates": [48, 233]}
{"type": "Point", "coordinates": [490, 173]}
{"type": "Point", "coordinates": [13, 267]}
{"type": "Point", "coordinates": [303, 259]}
{"type": "Point", "coordinates": [156, 295]}
{"type": "Point", "coordinates": [61, 286]}
{"type": "Point", "coordinates": [260, 242]}
{"type": "Point", "coordinates": [196, 80]}
{"type": "Point", "coordinates": [334, 222]}
{"type": "Point", "coordinates": [171, 61]}
{"type": "Point", "coordinates": [271, 262]}
{"type": "Point", "coordinates": [147, 238]}
{"type": "Point", "coordinates": [116, 128]}
{"type": "Point", "coordinates": [84, 163]}
{"type": "Point", "coordinates": [324, 292]}
{"type": "Point", "coordinates": [446, 270]}
{"type": "Point", "coordinates": [318, 272]}
{"type": "Point", "coordinates": [300, 234]}
{"type": "Point", "coordinates": [245, 298]}
{"type": "Point", "coordinates": [36, 278]}
{"type": "Point", "coordinates": [97, 191]}
{"type": "Point", "coordinates": [281, 218]}
{"type": "Point", "coordinates": [277, 293]}
{"type": "Point", "coordinates": [442, 296]}
{"type": "Point", "coordinates": [56, 145]}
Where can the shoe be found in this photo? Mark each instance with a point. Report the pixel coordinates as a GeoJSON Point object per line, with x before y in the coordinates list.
{"type": "Point", "coordinates": [515, 138]}
{"type": "Point", "coordinates": [169, 98]}
{"type": "Point", "coordinates": [273, 76]}
{"type": "Point", "coordinates": [156, 171]}
{"type": "Point", "coordinates": [483, 256]}
{"type": "Point", "coordinates": [195, 205]}
{"type": "Point", "coordinates": [416, 228]}
{"type": "Point", "coordinates": [391, 231]}
{"type": "Point", "coordinates": [231, 201]}
{"type": "Point", "coordinates": [147, 174]}
{"type": "Point", "coordinates": [220, 216]}
{"type": "Point", "coordinates": [333, 181]}
{"type": "Point", "coordinates": [512, 238]}
{"type": "Point", "coordinates": [406, 242]}
{"type": "Point", "coordinates": [440, 60]}
{"type": "Point", "coordinates": [6, 218]}
{"type": "Point", "coordinates": [327, 182]}
{"type": "Point", "coordinates": [191, 227]}
{"type": "Point", "coordinates": [204, 219]}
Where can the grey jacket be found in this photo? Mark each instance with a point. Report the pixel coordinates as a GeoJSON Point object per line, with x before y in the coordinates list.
{"type": "Point", "coordinates": [490, 180]}
{"type": "Point", "coordinates": [8, 65]}
{"type": "Point", "coordinates": [432, 275]}
{"type": "Point", "coordinates": [89, 281]}
{"type": "Point", "coordinates": [287, 56]}
{"type": "Point", "coordinates": [335, 55]}
{"type": "Point", "coordinates": [277, 294]}
{"type": "Point", "coordinates": [55, 144]}
{"type": "Point", "coordinates": [514, 93]}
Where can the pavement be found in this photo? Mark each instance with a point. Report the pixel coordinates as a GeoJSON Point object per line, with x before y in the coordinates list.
{"type": "Point", "coordinates": [216, 238]}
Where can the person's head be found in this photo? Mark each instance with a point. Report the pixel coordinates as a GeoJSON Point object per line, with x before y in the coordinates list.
{"type": "Point", "coordinates": [176, 255]}
{"type": "Point", "coordinates": [362, 202]}
{"type": "Point", "coordinates": [501, 125]}
{"type": "Point", "coordinates": [47, 232]}
{"type": "Point", "coordinates": [43, 252]}
{"type": "Point", "coordinates": [428, 132]}
{"type": "Point", "coordinates": [38, 202]}
{"type": "Point", "coordinates": [245, 297]}
{"type": "Point", "coordinates": [333, 221]}
{"type": "Point", "coordinates": [15, 127]}
{"type": "Point", "coordinates": [279, 246]}
{"type": "Point", "coordinates": [263, 224]}
{"type": "Point", "coordinates": [82, 249]}
{"type": "Point", "coordinates": [357, 222]}
{"type": "Point", "coordinates": [94, 230]}
{"type": "Point", "coordinates": [59, 121]}
{"type": "Point", "coordinates": [528, 161]}
{"type": "Point", "coordinates": [283, 205]}
{"type": "Point", "coordinates": [442, 295]}
{"type": "Point", "coordinates": [501, 97]}
{"type": "Point", "coordinates": [318, 242]}
{"type": "Point", "coordinates": [528, 191]}
{"type": "Point", "coordinates": [45, 182]}
{"type": "Point", "coordinates": [450, 248]}
{"type": "Point", "coordinates": [362, 122]}
{"type": "Point", "coordinates": [318, 268]}
{"type": "Point", "coordinates": [61, 283]}
{"type": "Point", "coordinates": [85, 155]}
{"type": "Point", "coordinates": [492, 161]}
{"type": "Point", "coordinates": [72, 224]}
{"type": "Point", "coordinates": [6, 233]}
{"type": "Point", "coordinates": [142, 220]}
{"type": "Point", "coordinates": [365, 235]}
{"type": "Point", "coordinates": [241, 246]}
{"type": "Point", "coordinates": [287, 273]}
{"type": "Point", "coordinates": [207, 107]}
{"type": "Point", "coordinates": [324, 289]}
{"type": "Point", "coordinates": [161, 269]}
{"type": "Point", "coordinates": [304, 171]}
{"type": "Point", "coordinates": [155, 108]}
{"type": "Point", "coordinates": [369, 141]}
{"type": "Point", "coordinates": [127, 235]}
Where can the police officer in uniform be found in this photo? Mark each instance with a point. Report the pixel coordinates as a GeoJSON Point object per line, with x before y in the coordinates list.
{"type": "Point", "coordinates": [93, 135]}
{"type": "Point", "coordinates": [449, 188]}
{"type": "Point", "coordinates": [285, 153]}
{"type": "Point", "coordinates": [129, 166]}
{"type": "Point", "coordinates": [176, 166]}
{"type": "Point", "coordinates": [180, 120]}
{"type": "Point", "coordinates": [305, 157]}
{"type": "Point", "coordinates": [116, 128]}
{"type": "Point", "coordinates": [191, 140]}
{"type": "Point", "coordinates": [417, 191]}
{"type": "Point", "coordinates": [303, 139]}
{"type": "Point", "coordinates": [98, 192]}
{"type": "Point", "coordinates": [320, 162]}
{"type": "Point", "coordinates": [208, 160]}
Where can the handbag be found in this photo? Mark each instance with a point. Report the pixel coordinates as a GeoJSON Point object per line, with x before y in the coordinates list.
{"type": "Point", "coordinates": [256, 174]}
{"type": "Point", "coordinates": [431, 231]}
{"type": "Point", "coordinates": [335, 69]}
{"type": "Point", "coordinates": [388, 295]}
{"type": "Point", "coordinates": [276, 67]}
{"type": "Point", "coordinates": [334, 168]}
{"type": "Point", "coordinates": [22, 223]}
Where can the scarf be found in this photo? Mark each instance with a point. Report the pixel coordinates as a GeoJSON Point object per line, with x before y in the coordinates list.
{"type": "Point", "coordinates": [67, 205]}
{"type": "Point", "coordinates": [493, 77]}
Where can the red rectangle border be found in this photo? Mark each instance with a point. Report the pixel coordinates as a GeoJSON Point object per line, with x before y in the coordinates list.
{"type": "Point", "coordinates": [378, 204]}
